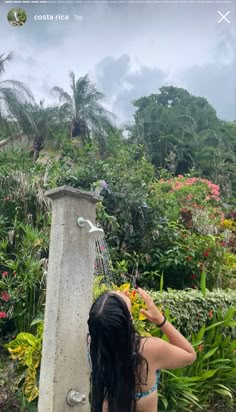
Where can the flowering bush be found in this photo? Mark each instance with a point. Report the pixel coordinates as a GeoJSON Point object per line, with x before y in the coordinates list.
{"type": "Point", "coordinates": [5, 298]}
{"type": "Point", "coordinates": [22, 278]}
{"type": "Point", "coordinates": [187, 195]}
{"type": "Point", "coordinates": [192, 236]}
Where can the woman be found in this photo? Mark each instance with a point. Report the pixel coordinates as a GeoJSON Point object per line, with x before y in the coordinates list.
{"type": "Point", "coordinates": [125, 366]}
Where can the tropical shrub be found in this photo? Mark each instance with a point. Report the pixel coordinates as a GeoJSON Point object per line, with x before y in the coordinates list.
{"type": "Point", "coordinates": [22, 277]}
{"type": "Point", "coordinates": [178, 230]}
{"type": "Point", "coordinates": [187, 309]}
{"type": "Point", "coordinates": [210, 381]}
{"type": "Point", "coordinates": [26, 349]}
{"type": "Point", "coordinates": [191, 234]}
{"type": "Point", "coordinates": [173, 226]}
{"type": "Point", "coordinates": [190, 310]}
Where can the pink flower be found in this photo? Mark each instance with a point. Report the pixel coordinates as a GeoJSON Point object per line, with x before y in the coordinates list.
{"type": "Point", "coordinates": [5, 296]}
{"type": "Point", "coordinates": [6, 199]}
{"type": "Point", "coordinates": [4, 274]}
{"type": "Point", "coordinates": [3, 315]}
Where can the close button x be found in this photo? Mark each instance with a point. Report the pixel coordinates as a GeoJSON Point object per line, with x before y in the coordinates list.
{"type": "Point", "coordinates": [224, 16]}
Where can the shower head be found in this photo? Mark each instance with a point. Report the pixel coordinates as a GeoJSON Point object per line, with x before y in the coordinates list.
{"type": "Point", "coordinates": [96, 231]}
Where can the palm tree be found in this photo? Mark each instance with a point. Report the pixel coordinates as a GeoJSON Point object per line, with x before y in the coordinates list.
{"type": "Point", "coordinates": [39, 123]}
{"type": "Point", "coordinates": [87, 118]}
{"type": "Point", "coordinates": [12, 92]}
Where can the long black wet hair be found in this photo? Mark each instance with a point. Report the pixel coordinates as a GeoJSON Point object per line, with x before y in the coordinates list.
{"type": "Point", "coordinates": [118, 369]}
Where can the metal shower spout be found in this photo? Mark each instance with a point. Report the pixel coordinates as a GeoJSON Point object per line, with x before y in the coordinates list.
{"type": "Point", "coordinates": [93, 229]}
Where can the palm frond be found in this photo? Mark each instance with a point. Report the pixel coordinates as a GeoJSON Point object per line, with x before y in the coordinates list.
{"type": "Point", "coordinates": [63, 96]}
{"type": "Point", "coordinates": [84, 110]}
{"type": "Point", "coordinates": [5, 59]}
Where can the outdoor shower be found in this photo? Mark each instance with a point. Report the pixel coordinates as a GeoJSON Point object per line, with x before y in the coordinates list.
{"type": "Point", "coordinates": [99, 233]}
{"type": "Point", "coordinates": [64, 372]}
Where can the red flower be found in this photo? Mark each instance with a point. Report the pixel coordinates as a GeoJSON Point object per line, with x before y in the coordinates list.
{"type": "Point", "coordinates": [210, 313]}
{"type": "Point", "coordinates": [5, 296]}
{"type": "Point", "coordinates": [223, 244]}
{"type": "Point", "coordinates": [4, 274]}
{"type": "Point", "coordinates": [133, 293]}
{"type": "Point", "coordinates": [3, 315]}
{"type": "Point", "coordinates": [193, 276]}
{"type": "Point", "coordinates": [206, 252]}
{"type": "Point", "coordinates": [189, 258]}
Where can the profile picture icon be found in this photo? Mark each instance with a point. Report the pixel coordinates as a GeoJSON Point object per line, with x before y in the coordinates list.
{"type": "Point", "coordinates": [17, 17]}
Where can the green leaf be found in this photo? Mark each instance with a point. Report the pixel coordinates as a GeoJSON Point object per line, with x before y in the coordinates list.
{"type": "Point", "coordinates": [210, 353]}
{"type": "Point", "coordinates": [214, 325]}
{"type": "Point", "coordinates": [224, 392]}
{"type": "Point", "coordinates": [220, 361]}
{"type": "Point", "coordinates": [201, 333]}
{"type": "Point", "coordinates": [203, 283]}
{"type": "Point", "coordinates": [31, 339]}
{"type": "Point", "coordinates": [164, 401]}
{"type": "Point", "coordinates": [207, 374]}
{"type": "Point", "coordinates": [36, 321]}
{"type": "Point", "coordinates": [30, 387]}
{"type": "Point", "coordinates": [161, 282]}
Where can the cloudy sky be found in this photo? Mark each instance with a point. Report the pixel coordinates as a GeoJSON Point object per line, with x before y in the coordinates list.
{"type": "Point", "coordinates": [129, 50]}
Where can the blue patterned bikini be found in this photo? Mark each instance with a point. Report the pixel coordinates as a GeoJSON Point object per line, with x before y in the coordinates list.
{"type": "Point", "coordinates": [140, 395]}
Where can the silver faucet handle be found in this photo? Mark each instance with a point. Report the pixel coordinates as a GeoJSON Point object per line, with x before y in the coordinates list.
{"type": "Point", "coordinates": [74, 397]}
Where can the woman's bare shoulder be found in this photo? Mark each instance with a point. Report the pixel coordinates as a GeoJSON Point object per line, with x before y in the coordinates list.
{"type": "Point", "coordinates": [150, 347]}
{"type": "Point", "coordinates": [150, 343]}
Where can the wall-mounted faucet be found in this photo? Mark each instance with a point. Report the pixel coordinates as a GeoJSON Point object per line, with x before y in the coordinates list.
{"type": "Point", "coordinates": [74, 398]}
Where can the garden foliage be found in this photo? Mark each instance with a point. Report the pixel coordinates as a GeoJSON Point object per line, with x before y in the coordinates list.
{"type": "Point", "coordinates": [208, 322]}
{"type": "Point", "coordinates": [167, 196]}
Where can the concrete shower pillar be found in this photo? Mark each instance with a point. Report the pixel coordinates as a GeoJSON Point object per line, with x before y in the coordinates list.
{"type": "Point", "coordinates": [68, 300]}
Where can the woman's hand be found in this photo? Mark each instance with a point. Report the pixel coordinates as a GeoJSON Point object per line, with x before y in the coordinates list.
{"type": "Point", "coordinates": [152, 313]}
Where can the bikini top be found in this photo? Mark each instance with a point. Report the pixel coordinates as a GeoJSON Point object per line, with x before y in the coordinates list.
{"type": "Point", "coordinates": [138, 395]}
{"type": "Point", "coordinates": [154, 388]}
